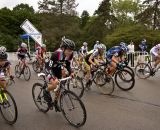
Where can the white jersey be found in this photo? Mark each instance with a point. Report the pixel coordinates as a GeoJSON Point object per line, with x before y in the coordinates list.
{"type": "Point", "coordinates": [155, 50]}
{"type": "Point", "coordinates": [84, 50]}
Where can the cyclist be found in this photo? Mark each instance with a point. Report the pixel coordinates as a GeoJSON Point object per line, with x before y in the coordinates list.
{"type": "Point", "coordinates": [156, 55]}
{"type": "Point", "coordinates": [40, 54]}
{"type": "Point", "coordinates": [96, 45]}
{"type": "Point", "coordinates": [21, 54]}
{"type": "Point", "coordinates": [92, 60]}
{"type": "Point", "coordinates": [115, 55]}
{"type": "Point", "coordinates": [5, 69]}
{"type": "Point", "coordinates": [82, 52]}
{"type": "Point", "coordinates": [61, 56]}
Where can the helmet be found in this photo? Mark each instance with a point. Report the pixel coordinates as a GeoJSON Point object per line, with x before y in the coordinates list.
{"type": "Point", "coordinates": [43, 46]}
{"type": "Point", "coordinates": [24, 45]}
{"type": "Point", "coordinates": [104, 47]}
{"type": "Point", "coordinates": [144, 40]}
{"type": "Point", "coordinates": [101, 47]}
{"type": "Point", "coordinates": [97, 42]}
{"type": "Point", "coordinates": [85, 43]}
{"type": "Point", "coordinates": [3, 54]}
{"type": "Point", "coordinates": [67, 43]}
{"type": "Point", "coordinates": [158, 45]}
{"type": "Point", "coordinates": [124, 46]}
{"type": "Point", "coordinates": [2, 49]}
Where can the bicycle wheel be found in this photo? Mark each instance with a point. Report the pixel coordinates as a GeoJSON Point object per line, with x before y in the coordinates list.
{"type": "Point", "coordinates": [76, 85]}
{"type": "Point", "coordinates": [108, 87]}
{"type": "Point", "coordinates": [130, 70]}
{"type": "Point", "coordinates": [100, 78]}
{"type": "Point", "coordinates": [73, 109]}
{"type": "Point", "coordinates": [17, 71]}
{"type": "Point", "coordinates": [36, 67]}
{"type": "Point", "coordinates": [8, 107]}
{"type": "Point", "coordinates": [143, 71]}
{"type": "Point", "coordinates": [38, 97]}
{"type": "Point", "coordinates": [124, 80]}
{"type": "Point", "coordinates": [27, 73]}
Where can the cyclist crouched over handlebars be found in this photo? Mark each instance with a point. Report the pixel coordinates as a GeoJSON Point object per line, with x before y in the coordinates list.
{"type": "Point", "coordinates": [5, 69]}
{"type": "Point", "coordinates": [59, 64]}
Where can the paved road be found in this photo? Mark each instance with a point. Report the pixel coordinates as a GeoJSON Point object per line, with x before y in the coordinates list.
{"type": "Point", "coordinates": [138, 109]}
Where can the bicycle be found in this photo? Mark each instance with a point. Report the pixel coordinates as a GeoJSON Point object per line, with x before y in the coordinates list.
{"type": "Point", "coordinates": [6, 102]}
{"type": "Point", "coordinates": [103, 81]}
{"type": "Point", "coordinates": [37, 66]}
{"type": "Point", "coordinates": [25, 71]}
{"type": "Point", "coordinates": [76, 84]}
{"type": "Point", "coordinates": [121, 76]}
{"type": "Point", "coordinates": [66, 101]}
{"type": "Point", "coordinates": [145, 70]}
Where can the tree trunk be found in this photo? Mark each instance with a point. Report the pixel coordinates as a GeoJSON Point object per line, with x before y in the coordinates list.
{"type": "Point", "coordinates": [155, 15]}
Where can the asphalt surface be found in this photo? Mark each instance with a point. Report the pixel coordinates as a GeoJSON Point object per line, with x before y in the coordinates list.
{"type": "Point", "coordinates": [138, 109]}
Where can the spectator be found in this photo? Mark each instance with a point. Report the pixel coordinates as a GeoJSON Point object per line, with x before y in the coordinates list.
{"type": "Point", "coordinates": [131, 53]}
{"type": "Point", "coordinates": [143, 45]}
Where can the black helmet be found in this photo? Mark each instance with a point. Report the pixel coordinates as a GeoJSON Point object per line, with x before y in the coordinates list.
{"type": "Point", "coordinates": [66, 43]}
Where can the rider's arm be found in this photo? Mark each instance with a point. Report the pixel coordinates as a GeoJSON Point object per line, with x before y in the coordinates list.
{"type": "Point", "coordinates": [90, 60]}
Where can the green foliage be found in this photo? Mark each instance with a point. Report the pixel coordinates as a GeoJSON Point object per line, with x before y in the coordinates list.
{"type": "Point", "coordinates": [114, 21]}
{"type": "Point", "coordinates": [135, 33]}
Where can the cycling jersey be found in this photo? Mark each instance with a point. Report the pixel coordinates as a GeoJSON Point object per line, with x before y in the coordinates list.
{"type": "Point", "coordinates": [22, 53]}
{"type": "Point", "coordinates": [154, 51]}
{"type": "Point", "coordinates": [93, 53]}
{"type": "Point", "coordinates": [55, 64]}
{"type": "Point", "coordinates": [114, 51]}
{"type": "Point", "coordinates": [83, 50]}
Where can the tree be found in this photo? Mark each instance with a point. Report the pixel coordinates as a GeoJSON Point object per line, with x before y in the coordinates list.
{"type": "Point", "coordinates": [151, 14]}
{"type": "Point", "coordinates": [58, 6]}
{"type": "Point", "coordinates": [105, 13]}
{"type": "Point", "coordinates": [125, 10]}
{"type": "Point", "coordinates": [23, 7]}
{"type": "Point", "coordinates": [84, 18]}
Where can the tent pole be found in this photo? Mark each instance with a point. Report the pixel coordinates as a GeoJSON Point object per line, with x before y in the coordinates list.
{"type": "Point", "coordinates": [29, 46]}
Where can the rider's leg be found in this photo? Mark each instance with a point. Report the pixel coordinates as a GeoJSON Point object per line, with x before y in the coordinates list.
{"type": "Point", "coordinates": [88, 71]}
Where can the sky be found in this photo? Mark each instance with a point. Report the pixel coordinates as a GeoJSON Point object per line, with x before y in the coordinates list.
{"type": "Point", "coordinates": [89, 5]}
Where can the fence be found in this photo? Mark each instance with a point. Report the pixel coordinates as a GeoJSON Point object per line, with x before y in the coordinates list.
{"type": "Point", "coordinates": [134, 58]}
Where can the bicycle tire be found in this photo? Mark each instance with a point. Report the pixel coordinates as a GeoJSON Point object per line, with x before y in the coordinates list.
{"type": "Point", "coordinates": [73, 97]}
{"type": "Point", "coordinates": [17, 73]}
{"type": "Point", "coordinates": [119, 72]}
{"type": "Point", "coordinates": [44, 110]}
{"type": "Point", "coordinates": [78, 90]}
{"type": "Point", "coordinates": [100, 75]}
{"type": "Point", "coordinates": [108, 87]}
{"type": "Point", "coordinates": [142, 70]}
{"type": "Point", "coordinates": [34, 66]}
{"type": "Point", "coordinates": [3, 105]}
{"type": "Point", "coordinates": [28, 71]}
{"type": "Point", "coordinates": [130, 70]}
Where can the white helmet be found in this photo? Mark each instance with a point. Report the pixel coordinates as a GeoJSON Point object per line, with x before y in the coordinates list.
{"type": "Point", "coordinates": [101, 47]}
{"type": "Point", "coordinates": [3, 49]}
{"type": "Point", "coordinates": [158, 45]}
{"type": "Point", "coordinates": [24, 45]}
{"type": "Point", "coordinates": [97, 42]}
{"type": "Point", "coordinates": [85, 43]}
{"type": "Point", "coordinates": [43, 46]}
{"type": "Point", "coordinates": [104, 47]}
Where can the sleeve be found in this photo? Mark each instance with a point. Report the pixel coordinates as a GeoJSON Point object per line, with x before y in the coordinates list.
{"type": "Point", "coordinates": [53, 59]}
